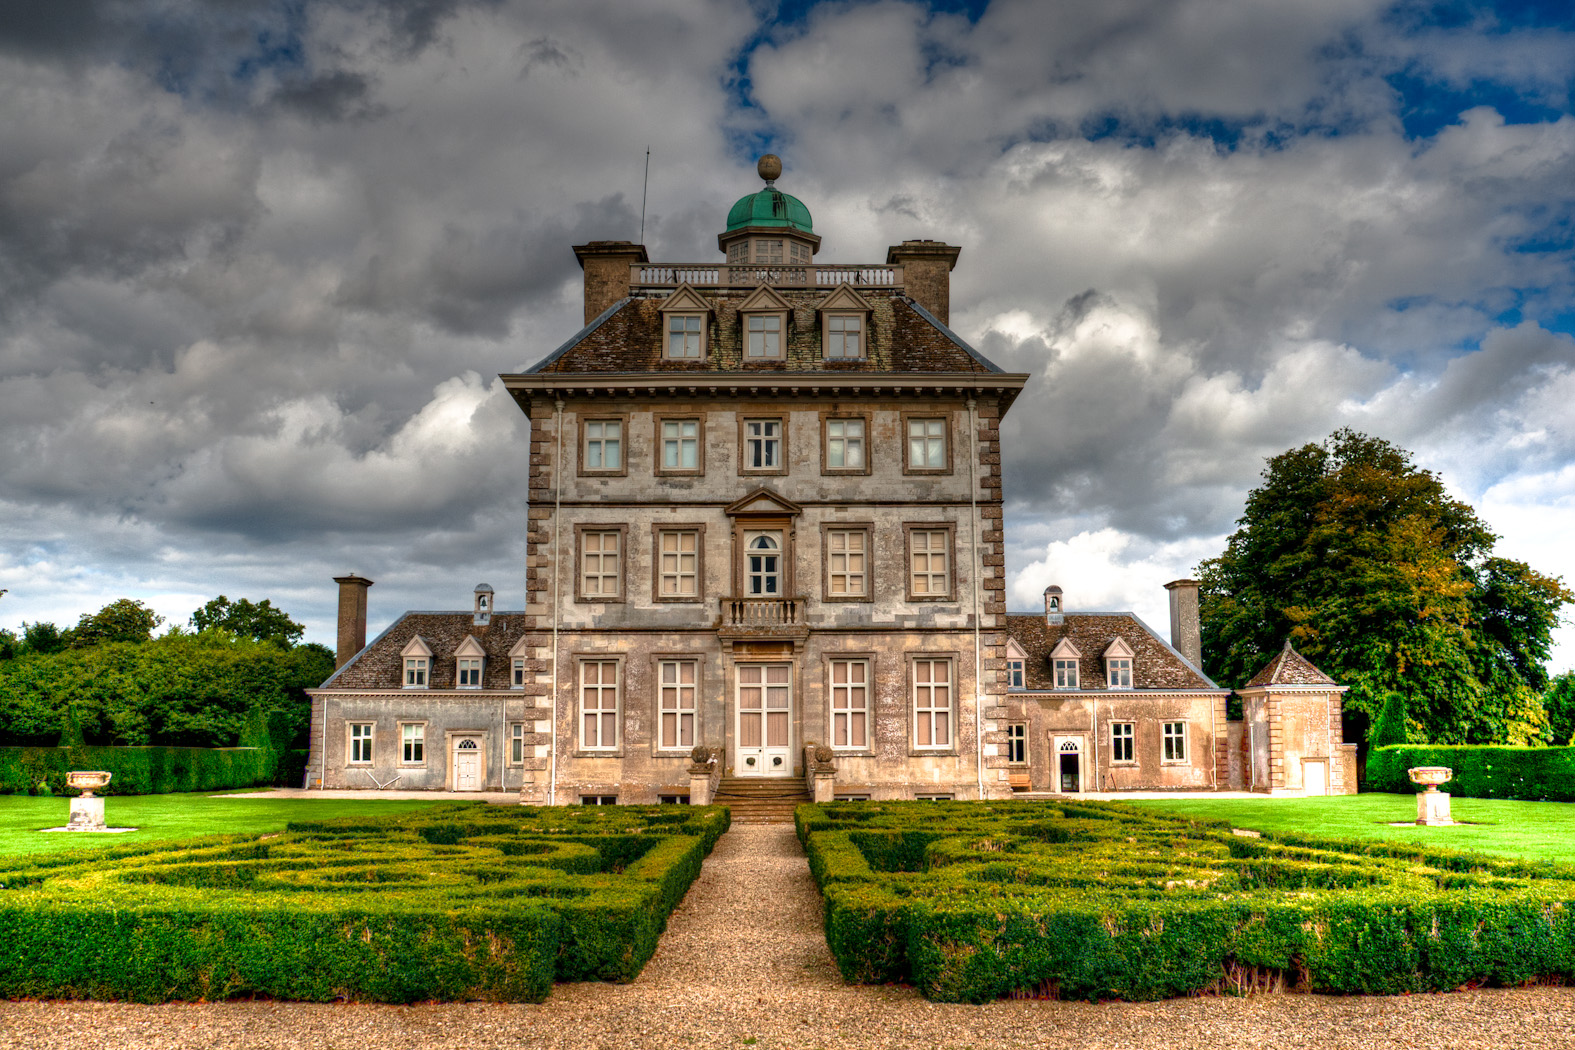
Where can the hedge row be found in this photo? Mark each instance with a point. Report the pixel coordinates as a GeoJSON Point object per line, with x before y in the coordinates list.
{"type": "Point", "coordinates": [458, 902]}
{"type": "Point", "coordinates": [1541, 774]}
{"type": "Point", "coordinates": [971, 902]}
{"type": "Point", "coordinates": [138, 770]}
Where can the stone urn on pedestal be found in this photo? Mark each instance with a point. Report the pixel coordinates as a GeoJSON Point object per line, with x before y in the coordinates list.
{"type": "Point", "coordinates": [87, 809]}
{"type": "Point", "coordinates": [1432, 805]}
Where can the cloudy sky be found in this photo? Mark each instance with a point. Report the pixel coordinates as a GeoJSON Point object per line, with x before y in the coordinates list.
{"type": "Point", "coordinates": [260, 264]}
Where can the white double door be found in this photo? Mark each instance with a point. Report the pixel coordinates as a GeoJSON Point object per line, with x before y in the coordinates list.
{"type": "Point", "coordinates": [764, 729]}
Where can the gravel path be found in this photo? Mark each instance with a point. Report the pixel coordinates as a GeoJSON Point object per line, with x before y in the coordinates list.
{"type": "Point", "coordinates": [744, 963]}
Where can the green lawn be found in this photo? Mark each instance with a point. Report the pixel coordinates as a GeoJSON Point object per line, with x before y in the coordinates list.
{"type": "Point", "coordinates": [169, 817]}
{"type": "Point", "coordinates": [1533, 830]}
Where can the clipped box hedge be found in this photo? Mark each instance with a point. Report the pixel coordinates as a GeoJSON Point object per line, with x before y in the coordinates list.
{"type": "Point", "coordinates": [974, 901]}
{"type": "Point", "coordinates": [152, 770]}
{"type": "Point", "coordinates": [1539, 774]}
{"type": "Point", "coordinates": [453, 903]}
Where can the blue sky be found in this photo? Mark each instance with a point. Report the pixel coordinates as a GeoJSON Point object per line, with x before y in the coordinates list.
{"type": "Point", "coordinates": [260, 265]}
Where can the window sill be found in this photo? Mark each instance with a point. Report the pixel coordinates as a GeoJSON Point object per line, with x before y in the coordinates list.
{"type": "Point", "coordinates": [866, 599]}
{"type": "Point", "coordinates": [610, 753]}
{"type": "Point", "coordinates": [680, 601]}
{"type": "Point", "coordinates": [853, 752]}
{"type": "Point", "coordinates": [411, 765]}
{"type": "Point", "coordinates": [920, 752]}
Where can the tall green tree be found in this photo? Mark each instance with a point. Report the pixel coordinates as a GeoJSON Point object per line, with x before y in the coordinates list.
{"type": "Point", "coordinates": [1386, 582]}
{"type": "Point", "coordinates": [248, 619]}
{"type": "Point", "coordinates": [123, 620]}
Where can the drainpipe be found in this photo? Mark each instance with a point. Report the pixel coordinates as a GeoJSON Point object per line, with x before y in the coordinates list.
{"type": "Point", "coordinates": [557, 575]}
{"type": "Point", "coordinates": [978, 574]}
{"type": "Point", "coordinates": [322, 766]}
{"type": "Point", "coordinates": [1093, 739]}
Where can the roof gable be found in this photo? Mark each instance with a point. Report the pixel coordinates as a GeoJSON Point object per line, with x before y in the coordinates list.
{"type": "Point", "coordinates": [417, 646]}
{"type": "Point", "coordinates": [763, 299]}
{"type": "Point", "coordinates": [763, 501]}
{"type": "Point", "coordinates": [843, 297]}
{"type": "Point", "coordinates": [685, 300]}
{"type": "Point", "coordinates": [1118, 649]}
{"type": "Point", "coordinates": [470, 647]}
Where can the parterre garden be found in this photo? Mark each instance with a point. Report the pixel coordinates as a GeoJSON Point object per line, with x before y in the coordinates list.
{"type": "Point", "coordinates": [458, 902]}
{"type": "Point", "coordinates": [1090, 900]}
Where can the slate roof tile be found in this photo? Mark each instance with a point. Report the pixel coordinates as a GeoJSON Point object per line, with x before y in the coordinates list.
{"type": "Point", "coordinates": [1155, 665]}
{"type": "Point", "coordinates": [1289, 667]}
{"type": "Point", "coordinates": [381, 665]}
{"type": "Point", "coordinates": [901, 340]}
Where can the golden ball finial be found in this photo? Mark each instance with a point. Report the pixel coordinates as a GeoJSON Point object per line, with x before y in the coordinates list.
{"type": "Point", "coordinates": [770, 167]}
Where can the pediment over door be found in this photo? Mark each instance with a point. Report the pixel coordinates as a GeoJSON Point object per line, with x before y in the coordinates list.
{"type": "Point", "coordinates": [764, 503]}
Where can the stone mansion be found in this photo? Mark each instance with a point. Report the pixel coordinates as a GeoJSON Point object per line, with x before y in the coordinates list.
{"type": "Point", "coordinates": [765, 544]}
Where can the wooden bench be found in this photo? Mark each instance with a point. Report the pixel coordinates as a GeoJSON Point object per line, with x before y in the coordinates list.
{"type": "Point", "coordinates": [1018, 781]}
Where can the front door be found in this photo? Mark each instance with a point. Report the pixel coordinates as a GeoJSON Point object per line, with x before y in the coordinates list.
{"type": "Point", "coordinates": [1315, 776]}
{"type": "Point", "coordinates": [467, 764]}
{"type": "Point", "coordinates": [1069, 766]}
{"type": "Point", "coordinates": [765, 713]}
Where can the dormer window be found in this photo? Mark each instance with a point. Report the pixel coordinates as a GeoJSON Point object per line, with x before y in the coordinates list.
{"type": "Point", "coordinates": [844, 336]}
{"type": "Point", "coordinates": [1014, 674]}
{"type": "Point", "coordinates": [684, 323]}
{"type": "Point", "coordinates": [765, 320]}
{"type": "Point", "coordinates": [418, 663]}
{"type": "Point", "coordinates": [844, 325]}
{"type": "Point", "coordinates": [685, 336]}
{"type": "Point", "coordinates": [468, 662]}
{"type": "Point", "coordinates": [765, 336]}
{"type": "Point", "coordinates": [1118, 665]}
{"type": "Point", "coordinates": [1063, 664]}
{"type": "Point", "coordinates": [517, 658]}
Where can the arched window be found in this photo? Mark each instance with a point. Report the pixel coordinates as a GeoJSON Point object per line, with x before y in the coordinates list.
{"type": "Point", "coordinates": [765, 566]}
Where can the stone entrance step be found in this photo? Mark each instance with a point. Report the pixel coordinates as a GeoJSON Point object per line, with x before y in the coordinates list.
{"type": "Point", "coordinates": [761, 800]}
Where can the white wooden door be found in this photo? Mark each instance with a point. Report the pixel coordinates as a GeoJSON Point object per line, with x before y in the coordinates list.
{"type": "Point", "coordinates": [1315, 777]}
{"type": "Point", "coordinates": [764, 727]}
{"type": "Point", "coordinates": [467, 765]}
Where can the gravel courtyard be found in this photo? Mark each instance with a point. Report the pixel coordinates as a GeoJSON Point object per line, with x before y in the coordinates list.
{"type": "Point", "coordinates": [743, 963]}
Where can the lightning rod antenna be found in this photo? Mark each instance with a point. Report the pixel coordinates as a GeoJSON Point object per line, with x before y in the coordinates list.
{"type": "Point", "coordinates": [644, 186]}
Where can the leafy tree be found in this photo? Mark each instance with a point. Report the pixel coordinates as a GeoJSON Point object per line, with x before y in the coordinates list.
{"type": "Point", "coordinates": [1559, 702]}
{"type": "Point", "coordinates": [42, 637]}
{"type": "Point", "coordinates": [1386, 583]}
{"type": "Point", "coordinates": [9, 643]}
{"type": "Point", "coordinates": [245, 619]}
{"type": "Point", "coordinates": [123, 620]}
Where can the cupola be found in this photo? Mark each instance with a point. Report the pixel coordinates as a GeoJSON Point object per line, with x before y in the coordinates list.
{"type": "Point", "coordinates": [482, 615]}
{"type": "Point", "coordinates": [769, 227]}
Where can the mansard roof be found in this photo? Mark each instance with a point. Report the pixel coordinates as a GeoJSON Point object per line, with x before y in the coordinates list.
{"type": "Point", "coordinates": [1289, 667]}
{"type": "Point", "coordinates": [380, 666]}
{"type": "Point", "coordinates": [904, 338]}
{"type": "Point", "coordinates": [1155, 665]}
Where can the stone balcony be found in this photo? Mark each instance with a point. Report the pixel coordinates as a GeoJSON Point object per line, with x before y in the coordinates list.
{"type": "Point", "coordinates": [764, 620]}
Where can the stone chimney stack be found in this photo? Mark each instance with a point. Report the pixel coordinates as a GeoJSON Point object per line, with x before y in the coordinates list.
{"type": "Point", "coordinates": [352, 617]}
{"type": "Point", "coordinates": [1186, 631]}
{"type": "Point", "coordinates": [926, 274]}
{"type": "Point", "coordinates": [1054, 607]}
{"type": "Point", "coordinates": [606, 265]}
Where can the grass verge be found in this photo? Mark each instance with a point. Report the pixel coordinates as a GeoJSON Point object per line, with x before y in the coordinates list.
{"type": "Point", "coordinates": [168, 817]}
{"type": "Point", "coordinates": [1529, 830]}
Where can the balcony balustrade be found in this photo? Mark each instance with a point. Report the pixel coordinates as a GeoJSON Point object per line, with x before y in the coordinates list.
{"type": "Point", "coordinates": [723, 275]}
{"type": "Point", "coordinates": [762, 614]}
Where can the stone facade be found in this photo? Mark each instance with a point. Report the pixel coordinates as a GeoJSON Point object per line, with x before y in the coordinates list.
{"type": "Point", "coordinates": [764, 539]}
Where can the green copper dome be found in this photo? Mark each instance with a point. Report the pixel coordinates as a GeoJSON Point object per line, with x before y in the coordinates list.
{"type": "Point", "coordinates": [769, 207]}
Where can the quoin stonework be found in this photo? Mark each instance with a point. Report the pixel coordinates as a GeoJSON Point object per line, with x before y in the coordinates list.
{"type": "Point", "coordinates": [764, 548]}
